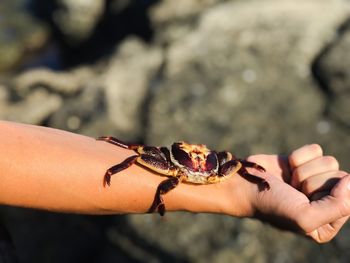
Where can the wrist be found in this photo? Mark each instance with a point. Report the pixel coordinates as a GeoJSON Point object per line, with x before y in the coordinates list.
{"type": "Point", "coordinates": [232, 197]}
{"type": "Point", "coordinates": [196, 199]}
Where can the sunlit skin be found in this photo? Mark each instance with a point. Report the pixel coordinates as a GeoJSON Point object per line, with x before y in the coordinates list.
{"type": "Point", "coordinates": [59, 171]}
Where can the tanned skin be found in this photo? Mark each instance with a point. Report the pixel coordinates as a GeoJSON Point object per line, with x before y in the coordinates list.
{"type": "Point", "coordinates": [59, 171]}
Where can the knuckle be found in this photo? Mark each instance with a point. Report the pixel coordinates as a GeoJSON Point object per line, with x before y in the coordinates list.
{"type": "Point", "coordinates": [305, 154]}
{"type": "Point", "coordinates": [332, 162]}
{"type": "Point", "coordinates": [316, 149]}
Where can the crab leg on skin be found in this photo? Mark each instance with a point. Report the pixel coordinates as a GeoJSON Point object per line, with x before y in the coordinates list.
{"type": "Point", "coordinates": [163, 188]}
{"type": "Point", "coordinates": [158, 165]}
{"type": "Point", "coordinates": [148, 156]}
{"type": "Point", "coordinates": [252, 165]}
{"type": "Point", "coordinates": [263, 183]}
{"type": "Point", "coordinates": [117, 168]}
{"type": "Point", "coordinates": [115, 141]}
{"type": "Point", "coordinates": [224, 157]}
{"type": "Point", "coordinates": [231, 165]}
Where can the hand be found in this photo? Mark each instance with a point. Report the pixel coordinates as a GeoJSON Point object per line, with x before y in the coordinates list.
{"type": "Point", "coordinates": [310, 195]}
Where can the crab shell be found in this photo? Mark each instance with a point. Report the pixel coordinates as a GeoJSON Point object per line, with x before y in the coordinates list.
{"type": "Point", "coordinates": [195, 161]}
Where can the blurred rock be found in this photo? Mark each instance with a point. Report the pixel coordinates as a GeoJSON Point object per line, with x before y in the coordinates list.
{"type": "Point", "coordinates": [65, 83]}
{"type": "Point", "coordinates": [77, 19]}
{"type": "Point", "coordinates": [95, 103]}
{"type": "Point", "coordinates": [33, 109]}
{"type": "Point", "coordinates": [333, 72]}
{"type": "Point", "coordinates": [222, 83]}
{"type": "Point", "coordinates": [79, 110]}
{"type": "Point", "coordinates": [168, 11]}
{"type": "Point", "coordinates": [49, 237]}
{"type": "Point", "coordinates": [20, 35]}
{"type": "Point", "coordinates": [127, 82]}
{"type": "Point", "coordinates": [64, 100]}
{"type": "Point", "coordinates": [174, 19]}
{"type": "Point", "coordinates": [215, 238]}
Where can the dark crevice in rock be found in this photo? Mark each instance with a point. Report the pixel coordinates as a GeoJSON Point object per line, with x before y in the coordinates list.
{"type": "Point", "coordinates": [12, 94]}
{"type": "Point", "coordinates": [319, 73]}
{"type": "Point", "coordinates": [112, 28]}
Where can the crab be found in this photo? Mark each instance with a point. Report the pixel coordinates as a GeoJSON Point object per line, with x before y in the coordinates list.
{"type": "Point", "coordinates": [182, 162]}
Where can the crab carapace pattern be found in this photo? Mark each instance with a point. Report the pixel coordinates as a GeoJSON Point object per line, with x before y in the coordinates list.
{"type": "Point", "coordinates": [182, 162]}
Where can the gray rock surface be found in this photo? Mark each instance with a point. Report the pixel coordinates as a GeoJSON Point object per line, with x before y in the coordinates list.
{"type": "Point", "coordinates": [333, 69]}
{"type": "Point", "coordinates": [215, 238]}
{"type": "Point", "coordinates": [33, 109]}
{"type": "Point", "coordinates": [65, 83]}
{"type": "Point", "coordinates": [21, 35]}
{"type": "Point", "coordinates": [127, 82]}
{"type": "Point", "coordinates": [243, 82]}
{"type": "Point", "coordinates": [77, 19]}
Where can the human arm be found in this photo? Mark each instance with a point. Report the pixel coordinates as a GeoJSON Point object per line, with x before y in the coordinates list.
{"type": "Point", "coordinates": [60, 171]}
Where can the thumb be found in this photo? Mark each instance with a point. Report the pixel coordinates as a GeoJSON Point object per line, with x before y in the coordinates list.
{"type": "Point", "coordinates": [328, 209]}
{"type": "Point", "coordinates": [342, 189]}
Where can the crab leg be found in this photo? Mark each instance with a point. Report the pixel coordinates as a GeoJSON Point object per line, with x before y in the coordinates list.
{"type": "Point", "coordinates": [224, 157]}
{"type": "Point", "coordinates": [263, 184]}
{"type": "Point", "coordinates": [252, 165]}
{"type": "Point", "coordinates": [230, 167]}
{"type": "Point", "coordinates": [163, 188]}
{"type": "Point", "coordinates": [115, 141]}
{"type": "Point", "coordinates": [166, 153]}
{"type": "Point", "coordinates": [157, 164]}
{"type": "Point", "coordinates": [117, 168]}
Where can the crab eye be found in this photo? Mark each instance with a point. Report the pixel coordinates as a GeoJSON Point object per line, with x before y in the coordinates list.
{"type": "Point", "coordinates": [181, 156]}
{"type": "Point", "coordinates": [212, 162]}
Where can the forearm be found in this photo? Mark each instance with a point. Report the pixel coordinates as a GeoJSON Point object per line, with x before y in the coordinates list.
{"type": "Point", "coordinates": [60, 171]}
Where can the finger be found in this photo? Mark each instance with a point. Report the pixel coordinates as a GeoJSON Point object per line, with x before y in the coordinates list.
{"type": "Point", "coordinates": [327, 210]}
{"type": "Point", "coordinates": [316, 166]}
{"type": "Point", "coordinates": [304, 154]}
{"type": "Point", "coordinates": [327, 232]}
{"type": "Point", "coordinates": [323, 182]}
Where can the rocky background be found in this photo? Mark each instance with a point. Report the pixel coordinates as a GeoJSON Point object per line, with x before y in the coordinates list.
{"type": "Point", "coordinates": [246, 76]}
